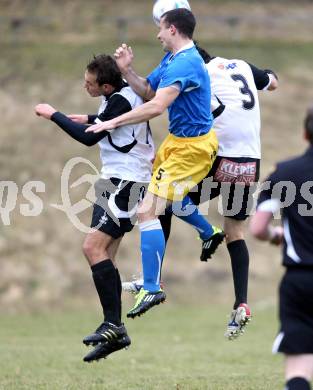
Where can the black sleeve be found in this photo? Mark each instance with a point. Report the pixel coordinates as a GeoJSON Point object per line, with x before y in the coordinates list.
{"type": "Point", "coordinates": [117, 105]}
{"type": "Point", "coordinates": [92, 118]}
{"type": "Point", "coordinates": [77, 130]}
{"type": "Point", "coordinates": [219, 110]}
{"type": "Point", "coordinates": [261, 77]}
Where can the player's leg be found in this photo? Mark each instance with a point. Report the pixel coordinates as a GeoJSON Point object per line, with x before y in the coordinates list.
{"type": "Point", "coordinates": [239, 256]}
{"type": "Point", "coordinates": [237, 201]}
{"type": "Point", "coordinates": [175, 174]}
{"type": "Point", "coordinates": [210, 235]}
{"type": "Point", "coordinates": [194, 173]}
{"type": "Point", "coordinates": [135, 285]}
{"type": "Point", "coordinates": [166, 223]}
{"type": "Point", "coordinates": [98, 248]}
{"type": "Point", "coordinates": [112, 250]}
{"type": "Point", "coordinates": [206, 190]}
{"type": "Point", "coordinates": [151, 234]}
{"type": "Point", "coordinates": [111, 335]}
{"type": "Point", "coordinates": [298, 371]}
{"type": "Point", "coordinates": [295, 337]}
{"type": "Point", "coordinates": [152, 251]}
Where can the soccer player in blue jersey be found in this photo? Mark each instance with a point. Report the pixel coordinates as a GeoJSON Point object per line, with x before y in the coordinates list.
{"type": "Point", "coordinates": [181, 84]}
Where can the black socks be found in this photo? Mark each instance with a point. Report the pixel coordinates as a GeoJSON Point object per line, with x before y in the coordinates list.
{"type": "Point", "coordinates": [239, 256]}
{"type": "Point", "coordinates": [119, 291]}
{"type": "Point", "coordinates": [105, 277]}
{"type": "Point", "coordinates": [298, 383]}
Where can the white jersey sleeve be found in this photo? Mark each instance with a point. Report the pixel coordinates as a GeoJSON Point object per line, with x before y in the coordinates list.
{"type": "Point", "coordinates": [238, 127]}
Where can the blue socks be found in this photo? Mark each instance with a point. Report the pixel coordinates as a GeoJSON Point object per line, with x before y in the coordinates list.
{"type": "Point", "coordinates": [187, 211]}
{"type": "Point", "coordinates": [152, 252]}
{"type": "Point", "coordinates": [153, 243]}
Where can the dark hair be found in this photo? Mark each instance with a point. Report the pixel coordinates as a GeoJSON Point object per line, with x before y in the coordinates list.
{"type": "Point", "coordinates": [182, 19]}
{"type": "Point", "coordinates": [308, 124]}
{"type": "Point", "coordinates": [106, 70]}
{"type": "Point", "coordinates": [203, 53]}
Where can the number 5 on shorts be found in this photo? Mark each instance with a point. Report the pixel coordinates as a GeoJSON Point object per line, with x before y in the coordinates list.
{"type": "Point", "coordinates": [160, 173]}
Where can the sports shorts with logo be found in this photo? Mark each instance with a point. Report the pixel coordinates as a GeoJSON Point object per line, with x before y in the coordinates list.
{"type": "Point", "coordinates": [295, 312]}
{"type": "Point", "coordinates": [235, 179]}
{"type": "Point", "coordinates": [114, 211]}
{"type": "Point", "coordinates": [181, 163]}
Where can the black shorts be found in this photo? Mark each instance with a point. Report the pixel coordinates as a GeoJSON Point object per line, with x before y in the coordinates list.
{"type": "Point", "coordinates": [114, 211]}
{"type": "Point", "coordinates": [295, 312]}
{"type": "Point", "coordinates": [235, 179]}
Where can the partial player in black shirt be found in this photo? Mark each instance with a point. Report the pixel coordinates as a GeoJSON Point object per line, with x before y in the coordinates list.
{"type": "Point", "coordinates": [289, 190]}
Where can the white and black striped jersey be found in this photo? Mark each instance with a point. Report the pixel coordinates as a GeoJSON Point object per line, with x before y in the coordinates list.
{"type": "Point", "coordinates": [234, 85]}
{"type": "Point", "coordinates": [127, 152]}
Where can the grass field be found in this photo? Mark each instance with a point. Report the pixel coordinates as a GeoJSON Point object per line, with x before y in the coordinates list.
{"type": "Point", "coordinates": [173, 347]}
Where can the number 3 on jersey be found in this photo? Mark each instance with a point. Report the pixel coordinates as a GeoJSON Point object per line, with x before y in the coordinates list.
{"type": "Point", "coordinates": [245, 90]}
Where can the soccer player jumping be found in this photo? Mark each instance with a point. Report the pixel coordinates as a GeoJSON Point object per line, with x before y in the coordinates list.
{"type": "Point", "coordinates": [181, 84]}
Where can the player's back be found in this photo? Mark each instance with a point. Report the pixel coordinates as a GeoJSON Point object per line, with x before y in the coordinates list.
{"type": "Point", "coordinates": [128, 152]}
{"type": "Point", "coordinates": [238, 127]}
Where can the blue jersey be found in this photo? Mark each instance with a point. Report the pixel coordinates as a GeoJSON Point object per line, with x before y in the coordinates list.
{"type": "Point", "coordinates": [190, 113]}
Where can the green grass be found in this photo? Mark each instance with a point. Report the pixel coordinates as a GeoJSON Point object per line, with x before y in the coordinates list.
{"type": "Point", "coordinates": [173, 347]}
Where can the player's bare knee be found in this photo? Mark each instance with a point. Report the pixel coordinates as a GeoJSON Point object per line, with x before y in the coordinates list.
{"type": "Point", "coordinates": [234, 230]}
{"type": "Point", "coordinates": [233, 237]}
{"type": "Point", "coordinates": [94, 252]}
{"type": "Point", "coordinates": [144, 217]}
{"type": "Point", "coordinates": [145, 213]}
{"type": "Point", "coordinates": [88, 249]}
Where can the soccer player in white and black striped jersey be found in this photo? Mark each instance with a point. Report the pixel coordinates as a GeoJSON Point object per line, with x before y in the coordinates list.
{"type": "Point", "coordinates": [127, 156]}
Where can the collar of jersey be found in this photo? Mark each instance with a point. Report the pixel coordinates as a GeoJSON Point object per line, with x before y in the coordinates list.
{"type": "Point", "coordinates": [186, 47]}
{"type": "Point", "coordinates": [124, 84]}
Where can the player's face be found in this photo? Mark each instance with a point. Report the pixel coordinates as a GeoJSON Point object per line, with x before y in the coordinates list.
{"type": "Point", "coordinates": [91, 85]}
{"type": "Point", "coordinates": [165, 35]}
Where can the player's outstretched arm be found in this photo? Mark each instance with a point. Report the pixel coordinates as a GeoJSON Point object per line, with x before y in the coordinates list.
{"type": "Point", "coordinates": [124, 57]}
{"type": "Point", "coordinates": [45, 110]}
{"type": "Point", "coordinates": [265, 79]}
{"type": "Point", "coordinates": [74, 129]}
{"type": "Point", "coordinates": [78, 118]}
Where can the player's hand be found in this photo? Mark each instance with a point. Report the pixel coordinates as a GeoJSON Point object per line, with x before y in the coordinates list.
{"type": "Point", "coordinates": [123, 57]}
{"type": "Point", "coordinates": [97, 128]}
{"type": "Point", "coordinates": [78, 118]}
{"type": "Point", "coordinates": [277, 235]}
{"type": "Point", "coordinates": [45, 110]}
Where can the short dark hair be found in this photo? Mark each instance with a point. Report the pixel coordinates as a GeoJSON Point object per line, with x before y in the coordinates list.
{"type": "Point", "coordinates": [308, 124]}
{"type": "Point", "coordinates": [106, 70]}
{"type": "Point", "coordinates": [182, 19]}
{"type": "Point", "coordinates": [203, 53]}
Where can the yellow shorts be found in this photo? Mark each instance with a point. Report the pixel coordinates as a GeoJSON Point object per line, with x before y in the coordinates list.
{"type": "Point", "coordinates": [181, 163]}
